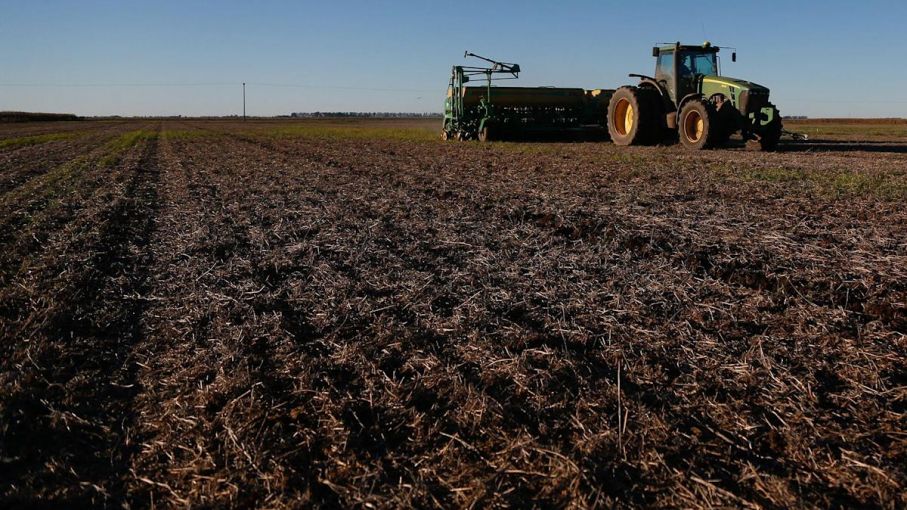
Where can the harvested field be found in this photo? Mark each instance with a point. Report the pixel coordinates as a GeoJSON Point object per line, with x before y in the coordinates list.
{"type": "Point", "coordinates": [319, 313]}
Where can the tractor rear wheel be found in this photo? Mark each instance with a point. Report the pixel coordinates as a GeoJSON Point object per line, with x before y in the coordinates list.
{"type": "Point", "coordinates": [698, 125]}
{"type": "Point", "coordinates": [632, 117]}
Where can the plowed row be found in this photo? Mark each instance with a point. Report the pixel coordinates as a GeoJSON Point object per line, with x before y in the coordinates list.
{"type": "Point", "coordinates": [275, 315]}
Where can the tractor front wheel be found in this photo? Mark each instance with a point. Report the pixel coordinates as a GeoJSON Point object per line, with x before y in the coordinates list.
{"type": "Point", "coordinates": [698, 125]}
{"type": "Point", "coordinates": [771, 132]}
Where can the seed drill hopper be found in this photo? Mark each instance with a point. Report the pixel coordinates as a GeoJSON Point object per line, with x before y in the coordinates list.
{"type": "Point", "coordinates": [487, 112]}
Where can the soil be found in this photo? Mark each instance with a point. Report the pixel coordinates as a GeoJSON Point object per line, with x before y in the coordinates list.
{"type": "Point", "coordinates": [282, 314]}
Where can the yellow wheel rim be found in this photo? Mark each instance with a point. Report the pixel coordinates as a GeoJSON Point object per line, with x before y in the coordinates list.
{"type": "Point", "coordinates": [624, 117]}
{"type": "Point", "coordinates": [693, 126]}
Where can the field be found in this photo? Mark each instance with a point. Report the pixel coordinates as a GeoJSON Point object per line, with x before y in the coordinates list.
{"type": "Point", "coordinates": [324, 313]}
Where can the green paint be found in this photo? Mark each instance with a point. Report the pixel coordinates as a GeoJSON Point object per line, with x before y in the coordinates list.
{"type": "Point", "coordinates": [468, 110]}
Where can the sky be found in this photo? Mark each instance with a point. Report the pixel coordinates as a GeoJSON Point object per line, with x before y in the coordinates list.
{"type": "Point", "coordinates": [103, 57]}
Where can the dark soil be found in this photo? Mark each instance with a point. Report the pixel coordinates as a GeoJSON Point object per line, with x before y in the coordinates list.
{"type": "Point", "coordinates": [226, 314]}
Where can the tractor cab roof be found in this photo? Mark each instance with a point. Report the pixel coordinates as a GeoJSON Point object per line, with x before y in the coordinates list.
{"type": "Point", "coordinates": [705, 47]}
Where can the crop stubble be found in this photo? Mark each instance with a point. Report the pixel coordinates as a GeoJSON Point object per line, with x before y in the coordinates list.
{"type": "Point", "coordinates": [244, 314]}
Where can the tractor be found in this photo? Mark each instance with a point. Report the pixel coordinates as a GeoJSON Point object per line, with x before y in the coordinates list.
{"type": "Point", "coordinates": [690, 100]}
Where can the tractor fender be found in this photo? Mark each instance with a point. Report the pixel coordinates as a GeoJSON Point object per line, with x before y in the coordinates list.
{"type": "Point", "coordinates": [687, 98]}
{"type": "Point", "coordinates": [645, 81]}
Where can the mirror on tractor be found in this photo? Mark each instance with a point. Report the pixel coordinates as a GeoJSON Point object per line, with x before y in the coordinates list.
{"type": "Point", "coordinates": [734, 56]}
{"type": "Point", "coordinates": [655, 51]}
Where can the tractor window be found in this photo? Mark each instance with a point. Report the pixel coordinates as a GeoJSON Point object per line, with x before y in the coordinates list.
{"type": "Point", "coordinates": [704, 63]}
{"type": "Point", "coordinates": [664, 69]}
{"type": "Point", "coordinates": [698, 63]}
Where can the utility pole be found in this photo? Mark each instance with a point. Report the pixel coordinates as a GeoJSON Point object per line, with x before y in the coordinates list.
{"type": "Point", "coordinates": [243, 100]}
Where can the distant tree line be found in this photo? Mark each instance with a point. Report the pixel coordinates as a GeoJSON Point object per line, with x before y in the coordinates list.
{"type": "Point", "coordinates": [382, 115]}
{"type": "Point", "coordinates": [35, 116]}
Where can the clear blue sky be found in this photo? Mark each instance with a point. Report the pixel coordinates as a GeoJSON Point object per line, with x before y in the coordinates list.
{"type": "Point", "coordinates": [98, 57]}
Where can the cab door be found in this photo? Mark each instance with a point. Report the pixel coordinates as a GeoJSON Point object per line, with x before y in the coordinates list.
{"type": "Point", "coordinates": [688, 80]}
{"type": "Point", "coordinates": [664, 73]}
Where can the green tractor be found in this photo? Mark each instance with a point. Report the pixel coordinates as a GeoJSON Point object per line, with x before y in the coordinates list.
{"type": "Point", "coordinates": [689, 98]}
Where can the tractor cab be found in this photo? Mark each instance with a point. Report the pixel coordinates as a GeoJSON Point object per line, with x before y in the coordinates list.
{"type": "Point", "coordinates": [688, 64]}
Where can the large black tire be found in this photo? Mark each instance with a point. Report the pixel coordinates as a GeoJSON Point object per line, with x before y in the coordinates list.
{"type": "Point", "coordinates": [633, 116]}
{"type": "Point", "coordinates": [771, 132]}
{"type": "Point", "coordinates": [660, 131]}
{"type": "Point", "coordinates": [698, 125]}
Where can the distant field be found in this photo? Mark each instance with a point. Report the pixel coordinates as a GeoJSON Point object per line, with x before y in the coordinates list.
{"type": "Point", "coordinates": [850, 121]}
{"type": "Point", "coordinates": [874, 129]}
{"type": "Point", "coordinates": [353, 313]}
{"type": "Point", "coordinates": [851, 129]}
{"type": "Point", "coordinates": [425, 129]}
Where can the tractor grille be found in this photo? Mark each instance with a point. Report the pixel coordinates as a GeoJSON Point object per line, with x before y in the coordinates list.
{"type": "Point", "coordinates": [752, 101]}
